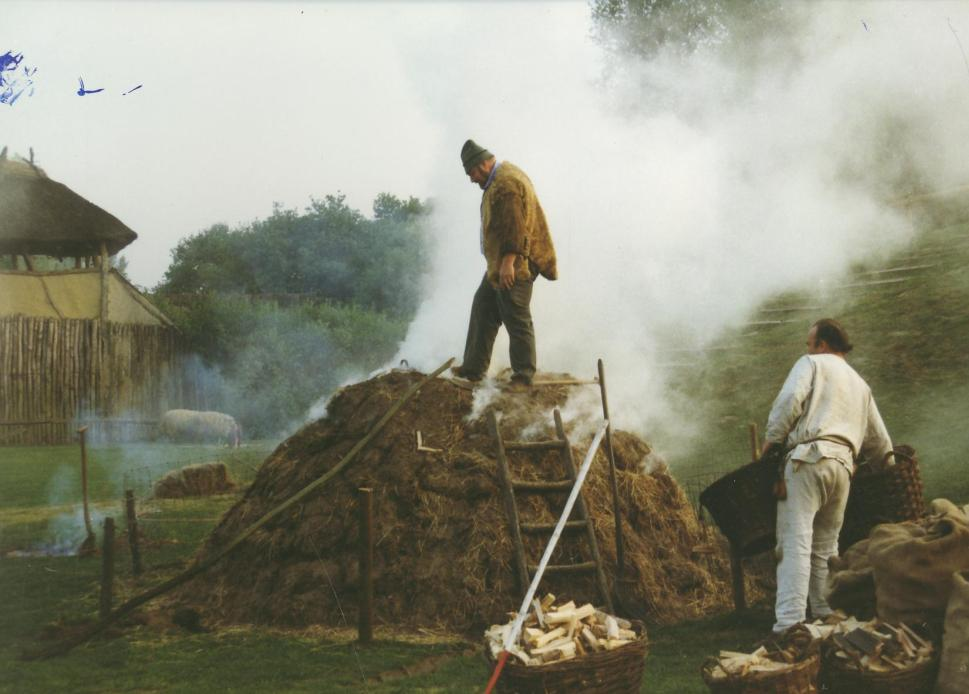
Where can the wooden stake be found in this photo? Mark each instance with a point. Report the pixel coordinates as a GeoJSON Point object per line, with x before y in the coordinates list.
{"type": "Point", "coordinates": [82, 432]}
{"type": "Point", "coordinates": [365, 622]}
{"type": "Point", "coordinates": [754, 443]}
{"type": "Point", "coordinates": [107, 568]}
{"type": "Point", "coordinates": [104, 282]}
{"type": "Point", "coordinates": [737, 575]}
{"type": "Point", "coordinates": [616, 511]}
{"type": "Point", "coordinates": [129, 503]}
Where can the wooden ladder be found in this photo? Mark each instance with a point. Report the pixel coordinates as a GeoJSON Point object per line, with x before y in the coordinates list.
{"type": "Point", "coordinates": [582, 522]}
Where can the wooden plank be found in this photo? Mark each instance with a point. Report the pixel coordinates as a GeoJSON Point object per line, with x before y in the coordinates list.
{"type": "Point", "coordinates": [542, 486]}
{"type": "Point", "coordinates": [581, 568]}
{"type": "Point", "coordinates": [532, 445]}
{"type": "Point", "coordinates": [540, 528]}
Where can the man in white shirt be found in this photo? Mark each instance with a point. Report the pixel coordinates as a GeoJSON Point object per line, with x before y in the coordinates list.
{"type": "Point", "coordinates": [826, 417]}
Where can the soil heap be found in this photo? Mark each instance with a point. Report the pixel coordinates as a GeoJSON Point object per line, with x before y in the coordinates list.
{"type": "Point", "coordinates": [443, 555]}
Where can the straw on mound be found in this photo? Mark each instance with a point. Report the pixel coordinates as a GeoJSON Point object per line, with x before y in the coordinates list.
{"type": "Point", "coordinates": [203, 479]}
{"type": "Point", "coordinates": [443, 555]}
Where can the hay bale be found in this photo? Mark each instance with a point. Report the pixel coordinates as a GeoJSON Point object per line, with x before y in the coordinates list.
{"type": "Point", "coordinates": [444, 556]}
{"type": "Point", "coordinates": [204, 479]}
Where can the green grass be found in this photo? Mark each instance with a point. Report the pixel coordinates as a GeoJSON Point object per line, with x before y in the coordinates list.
{"type": "Point", "coordinates": [58, 591]}
{"type": "Point", "coordinates": [910, 343]}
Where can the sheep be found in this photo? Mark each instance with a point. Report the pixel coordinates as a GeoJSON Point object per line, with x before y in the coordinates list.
{"type": "Point", "coordinates": [191, 425]}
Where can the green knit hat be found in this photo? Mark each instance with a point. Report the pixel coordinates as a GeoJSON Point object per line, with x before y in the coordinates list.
{"type": "Point", "coordinates": [473, 154]}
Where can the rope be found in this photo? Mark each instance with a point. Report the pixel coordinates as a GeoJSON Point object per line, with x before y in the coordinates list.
{"type": "Point", "coordinates": [137, 601]}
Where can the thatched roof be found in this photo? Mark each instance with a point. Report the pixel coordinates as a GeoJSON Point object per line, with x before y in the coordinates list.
{"type": "Point", "coordinates": [39, 216]}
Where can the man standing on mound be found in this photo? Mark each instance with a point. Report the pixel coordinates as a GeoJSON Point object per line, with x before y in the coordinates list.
{"type": "Point", "coordinates": [826, 416]}
{"type": "Point", "coordinates": [517, 247]}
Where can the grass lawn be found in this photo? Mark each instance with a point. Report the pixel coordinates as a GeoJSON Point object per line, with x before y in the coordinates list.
{"type": "Point", "coordinates": [910, 331]}
{"type": "Point", "coordinates": [58, 591]}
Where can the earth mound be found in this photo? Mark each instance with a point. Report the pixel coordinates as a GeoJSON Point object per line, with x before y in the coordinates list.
{"type": "Point", "coordinates": [443, 556]}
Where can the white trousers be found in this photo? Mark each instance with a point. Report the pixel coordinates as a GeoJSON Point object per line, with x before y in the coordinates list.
{"type": "Point", "coordinates": [808, 524]}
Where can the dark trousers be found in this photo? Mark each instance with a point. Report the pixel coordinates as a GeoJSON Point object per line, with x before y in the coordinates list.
{"type": "Point", "coordinates": [491, 308]}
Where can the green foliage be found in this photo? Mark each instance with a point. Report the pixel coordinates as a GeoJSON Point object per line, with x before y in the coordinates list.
{"type": "Point", "coordinates": [742, 30]}
{"type": "Point", "coordinates": [330, 252]}
{"type": "Point", "coordinates": [909, 339]}
{"type": "Point", "coordinates": [285, 309]}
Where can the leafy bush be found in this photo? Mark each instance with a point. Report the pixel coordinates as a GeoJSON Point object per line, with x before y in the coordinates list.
{"type": "Point", "coordinates": [283, 310]}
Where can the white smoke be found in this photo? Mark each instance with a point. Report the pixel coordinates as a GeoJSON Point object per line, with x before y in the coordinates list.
{"type": "Point", "coordinates": [683, 191]}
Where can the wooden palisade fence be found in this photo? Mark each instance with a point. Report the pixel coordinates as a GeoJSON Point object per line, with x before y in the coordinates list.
{"type": "Point", "coordinates": [59, 374]}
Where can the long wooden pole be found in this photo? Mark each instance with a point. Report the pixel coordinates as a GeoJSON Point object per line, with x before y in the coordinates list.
{"type": "Point", "coordinates": [202, 566]}
{"type": "Point", "coordinates": [365, 622]}
{"type": "Point", "coordinates": [616, 510]}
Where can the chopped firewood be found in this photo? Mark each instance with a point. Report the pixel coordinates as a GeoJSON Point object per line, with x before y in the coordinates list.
{"type": "Point", "coordinates": [556, 633]}
{"type": "Point", "coordinates": [531, 634]}
{"type": "Point", "coordinates": [612, 627]}
{"type": "Point", "coordinates": [864, 641]}
{"type": "Point", "coordinates": [613, 644]}
{"type": "Point", "coordinates": [567, 615]}
{"type": "Point", "coordinates": [553, 633]}
{"type": "Point", "coordinates": [623, 623]}
{"type": "Point", "coordinates": [917, 640]}
{"type": "Point", "coordinates": [570, 605]}
{"type": "Point", "coordinates": [553, 645]}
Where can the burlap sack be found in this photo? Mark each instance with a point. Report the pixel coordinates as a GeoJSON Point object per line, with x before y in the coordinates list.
{"type": "Point", "coordinates": [912, 565]}
{"type": "Point", "coordinates": [954, 668]}
{"type": "Point", "coordinates": [851, 585]}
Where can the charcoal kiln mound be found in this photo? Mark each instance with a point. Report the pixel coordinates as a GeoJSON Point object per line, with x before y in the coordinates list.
{"type": "Point", "coordinates": [443, 554]}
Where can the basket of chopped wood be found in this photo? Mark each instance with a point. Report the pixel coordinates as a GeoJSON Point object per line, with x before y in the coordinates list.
{"type": "Point", "coordinates": [788, 664]}
{"type": "Point", "coordinates": [569, 648]}
{"type": "Point", "coordinates": [879, 658]}
{"type": "Point", "coordinates": [883, 494]}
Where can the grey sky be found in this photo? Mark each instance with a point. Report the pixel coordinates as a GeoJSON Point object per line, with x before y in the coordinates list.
{"type": "Point", "coordinates": [244, 104]}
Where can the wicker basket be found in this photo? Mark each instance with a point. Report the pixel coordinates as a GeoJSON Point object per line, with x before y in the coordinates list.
{"type": "Point", "coordinates": [604, 672]}
{"type": "Point", "coordinates": [743, 506]}
{"type": "Point", "coordinates": [890, 495]}
{"type": "Point", "coordinates": [802, 678]}
{"type": "Point", "coordinates": [838, 679]}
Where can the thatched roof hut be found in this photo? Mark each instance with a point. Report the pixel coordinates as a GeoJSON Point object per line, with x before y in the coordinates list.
{"type": "Point", "coordinates": [39, 216]}
{"type": "Point", "coordinates": [79, 345]}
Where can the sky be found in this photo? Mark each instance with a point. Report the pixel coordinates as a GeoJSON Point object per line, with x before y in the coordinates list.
{"type": "Point", "coordinates": [681, 190]}
{"type": "Point", "coordinates": [241, 105]}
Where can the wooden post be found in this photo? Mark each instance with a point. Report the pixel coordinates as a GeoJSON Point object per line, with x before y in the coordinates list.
{"type": "Point", "coordinates": [82, 432]}
{"type": "Point", "coordinates": [365, 627]}
{"type": "Point", "coordinates": [104, 282]}
{"type": "Point", "coordinates": [737, 576]}
{"type": "Point", "coordinates": [129, 503]}
{"type": "Point", "coordinates": [107, 568]}
{"type": "Point", "coordinates": [616, 511]}
{"type": "Point", "coordinates": [754, 443]}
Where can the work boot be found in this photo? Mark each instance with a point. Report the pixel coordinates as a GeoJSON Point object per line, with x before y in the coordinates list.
{"type": "Point", "coordinates": [464, 373]}
{"type": "Point", "coordinates": [520, 382]}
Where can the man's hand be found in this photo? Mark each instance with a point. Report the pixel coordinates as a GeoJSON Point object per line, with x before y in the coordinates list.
{"type": "Point", "coordinates": [506, 274]}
